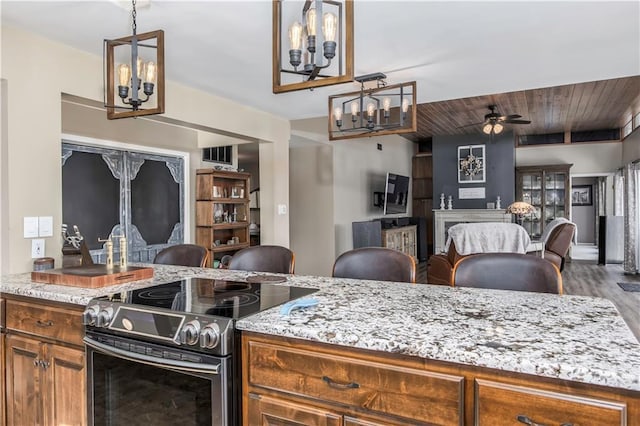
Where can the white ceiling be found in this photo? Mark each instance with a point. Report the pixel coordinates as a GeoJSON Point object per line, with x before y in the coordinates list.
{"type": "Point", "coordinates": [452, 49]}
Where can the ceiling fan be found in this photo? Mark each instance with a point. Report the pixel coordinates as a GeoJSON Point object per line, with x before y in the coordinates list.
{"type": "Point", "coordinates": [493, 123]}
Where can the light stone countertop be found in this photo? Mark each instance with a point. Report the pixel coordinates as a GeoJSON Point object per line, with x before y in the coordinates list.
{"type": "Point", "coordinates": [576, 338]}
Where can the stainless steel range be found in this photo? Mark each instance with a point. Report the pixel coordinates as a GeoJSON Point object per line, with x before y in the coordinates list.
{"type": "Point", "coordinates": [165, 355]}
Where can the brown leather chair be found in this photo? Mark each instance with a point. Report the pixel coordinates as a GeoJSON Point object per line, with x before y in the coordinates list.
{"type": "Point", "coordinates": [507, 271]}
{"type": "Point", "coordinates": [274, 259]}
{"type": "Point", "coordinates": [558, 243]}
{"type": "Point", "coordinates": [439, 266]}
{"type": "Point", "coordinates": [375, 263]}
{"type": "Point", "coordinates": [183, 255]}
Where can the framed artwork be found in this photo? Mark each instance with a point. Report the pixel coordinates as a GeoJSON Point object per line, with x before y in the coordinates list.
{"type": "Point", "coordinates": [471, 164]}
{"type": "Point", "coordinates": [581, 195]}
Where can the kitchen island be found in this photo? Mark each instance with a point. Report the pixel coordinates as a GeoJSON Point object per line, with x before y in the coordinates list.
{"type": "Point", "coordinates": [420, 353]}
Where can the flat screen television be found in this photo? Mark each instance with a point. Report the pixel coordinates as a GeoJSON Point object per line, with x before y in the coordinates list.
{"type": "Point", "coordinates": [396, 194]}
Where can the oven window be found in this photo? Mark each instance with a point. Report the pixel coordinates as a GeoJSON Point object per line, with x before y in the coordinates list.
{"type": "Point", "coordinates": [128, 393]}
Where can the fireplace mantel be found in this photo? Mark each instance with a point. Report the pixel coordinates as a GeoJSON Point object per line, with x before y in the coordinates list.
{"type": "Point", "coordinates": [444, 219]}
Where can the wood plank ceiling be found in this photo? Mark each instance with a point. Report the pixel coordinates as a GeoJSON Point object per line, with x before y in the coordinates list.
{"type": "Point", "coordinates": [596, 105]}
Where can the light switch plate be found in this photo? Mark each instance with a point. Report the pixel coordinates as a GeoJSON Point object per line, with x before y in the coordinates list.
{"type": "Point", "coordinates": [45, 226]}
{"type": "Point", "coordinates": [37, 248]}
{"type": "Point", "coordinates": [30, 227]}
{"type": "Point", "coordinates": [282, 209]}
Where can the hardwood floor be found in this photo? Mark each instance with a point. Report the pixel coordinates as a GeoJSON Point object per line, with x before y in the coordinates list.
{"type": "Point", "coordinates": [587, 278]}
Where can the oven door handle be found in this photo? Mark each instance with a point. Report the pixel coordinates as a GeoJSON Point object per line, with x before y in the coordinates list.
{"type": "Point", "coordinates": [191, 367]}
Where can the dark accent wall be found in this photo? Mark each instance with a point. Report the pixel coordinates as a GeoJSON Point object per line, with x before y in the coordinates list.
{"type": "Point", "coordinates": [500, 169]}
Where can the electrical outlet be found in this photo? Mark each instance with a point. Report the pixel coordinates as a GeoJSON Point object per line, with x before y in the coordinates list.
{"type": "Point", "coordinates": [37, 248]}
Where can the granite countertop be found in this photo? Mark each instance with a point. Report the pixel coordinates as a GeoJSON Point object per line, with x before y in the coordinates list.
{"type": "Point", "coordinates": [576, 338]}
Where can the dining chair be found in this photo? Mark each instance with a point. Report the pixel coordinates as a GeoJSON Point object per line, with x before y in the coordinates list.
{"type": "Point", "coordinates": [507, 271]}
{"type": "Point", "coordinates": [375, 263]}
{"type": "Point", "coordinates": [183, 255]}
{"type": "Point", "coordinates": [274, 259]}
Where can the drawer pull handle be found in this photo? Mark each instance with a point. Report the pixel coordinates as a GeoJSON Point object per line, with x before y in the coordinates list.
{"type": "Point", "coordinates": [41, 323]}
{"type": "Point", "coordinates": [36, 362]}
{"type": "Point", "coordinates": [527, 421]}
{"type": "Point", "coordinates": [333, 384]}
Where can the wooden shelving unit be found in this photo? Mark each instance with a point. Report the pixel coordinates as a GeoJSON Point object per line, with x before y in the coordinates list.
{"type": "Point", "coordinates": [222, 211]}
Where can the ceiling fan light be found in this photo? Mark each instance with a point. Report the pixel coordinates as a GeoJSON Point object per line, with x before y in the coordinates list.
{"type": "Point", "coordinates": [487, 128]}
{"type": "Point", "coordinates": [497, 128]}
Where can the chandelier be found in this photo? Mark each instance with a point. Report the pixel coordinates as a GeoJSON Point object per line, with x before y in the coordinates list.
{"type": "Point", "coordinates": [320, 41]}
{"type": "Point", "coordinates": [134, 63]}
{"type": "Point", "coordinates": [375, 111]}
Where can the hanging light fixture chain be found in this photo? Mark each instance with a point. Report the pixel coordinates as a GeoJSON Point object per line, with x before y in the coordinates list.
{"type": "Point", "coordinates": [133, 15]}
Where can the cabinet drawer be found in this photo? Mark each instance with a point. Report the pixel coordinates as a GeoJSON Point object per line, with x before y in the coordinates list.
{"type": "Point", "coordinates": [499, 403]}
{"type": "Point", "coordinates": [48, 321]}
{"type": "Point", "coordinates": [432, 397]}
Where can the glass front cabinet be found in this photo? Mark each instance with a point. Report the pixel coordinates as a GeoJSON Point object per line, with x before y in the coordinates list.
{"type": "Point", "coordinates": [547, 189]}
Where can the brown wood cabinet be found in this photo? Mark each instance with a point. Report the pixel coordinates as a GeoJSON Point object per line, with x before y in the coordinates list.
{"type": "Point", "coordinates": [298, 380]}
{"type": "Point", "coordinates": [290, 381]}
{"type": "Point", "coordinates": [45, 363]}
{"type": "Point", "coordinates": [2, 364]}
{"type": "Point", "coordinates": [422, 193]}
{"type": "Point", "coordinates": [547, 189]}
{"type": "Point", "coordinates": [222, 211]}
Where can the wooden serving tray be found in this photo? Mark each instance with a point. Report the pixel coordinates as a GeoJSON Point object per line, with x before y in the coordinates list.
{"type": "Point", "coordinates": [92, 276]}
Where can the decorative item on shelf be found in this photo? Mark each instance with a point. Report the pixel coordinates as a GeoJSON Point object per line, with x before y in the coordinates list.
{"type": "Point", "coordinates": [217, 192]}
{"type": "Point", "coordinates": [373, 111]}
{"type": "Point", "coordinates": [133, 73]}
{"type": "Point", "coordinates": [442, 201]}
{"type": "Point", "coordinates": [498, 201]}
{"type": "Point", "coordinates": [320, 48]}
{"type": "Point", "coordinates": [123, 251]}
{"type": "Point", "coordinates": [108, 246]}
{"type": "Point", "coordinates": [74, 249]}
{"type": "Point", "coordinates": [450, 203]}
{"type": "Point", "coordinates": [520, 209]}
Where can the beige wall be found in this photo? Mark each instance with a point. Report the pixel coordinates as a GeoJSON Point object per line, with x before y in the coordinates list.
{"type": "Point", "coordinates": [359, 170]}
{"type": "Point", "coordinates": [631, 147]}
{"type": "Point", "coordinates": [587, 158]}
{"type": "Point", "coordinates": [312, 219]}
{"type": "Point", "coordinates": [332, 185]}
{"type": "Point", "coordinates": [38, 72]}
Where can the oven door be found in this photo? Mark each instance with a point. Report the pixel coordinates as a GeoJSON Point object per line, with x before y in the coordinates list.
{"type": "Point", "coordinates": [138, 383]}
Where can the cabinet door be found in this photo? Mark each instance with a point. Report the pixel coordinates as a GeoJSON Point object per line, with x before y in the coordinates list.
{"type": "Point", "coordinates": [268, 411]}
{"type": "Point", "coordinates": [24, 381]}
{"type": "Point", "coordinates": [65, 397]}
{"type": "Point", "coordinates": [505, 404]}
{"type": "Point", "coordinates": [2, 381]}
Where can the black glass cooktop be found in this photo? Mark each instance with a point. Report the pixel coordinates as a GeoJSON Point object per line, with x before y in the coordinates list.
{"type": "Point", "coordinates": [229, 299]}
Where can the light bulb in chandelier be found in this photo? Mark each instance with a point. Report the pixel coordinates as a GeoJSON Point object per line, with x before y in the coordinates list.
{"type": "Point", "coordinates": [371, 109]}
{"type": "Point", "coordinates": [405, 107]}
{"type": "Point", "coordinates": [497, 128]}
{"type": "Point", "coordinates": [487, 128]}
{"type": "Point", "coordinates": [124, 74]}
{"type": "Point", "coordinates": [295, 40]}
{"type": "Point", "coordinates": [354, 108]}
{"type": "Point", "coordinates": [149, 77]}
{"type": "Point", "coordinates": [329, 30]}
{"type": "Point", "coordinates": [386, 106]}
{"type": "Point", "coordinates": [337, 113]}
{"type": "Point", "coordinates": [311, 22]}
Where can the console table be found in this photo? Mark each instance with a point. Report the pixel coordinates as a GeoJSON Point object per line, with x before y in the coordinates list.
{"type": "Point", "coordinates": [444, 219]}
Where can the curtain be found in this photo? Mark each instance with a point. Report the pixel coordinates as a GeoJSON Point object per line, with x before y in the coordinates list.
{"type": "Point", "coordinates": [630, 263]}
{"type": "Point", "coordinates": [618, 193]}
